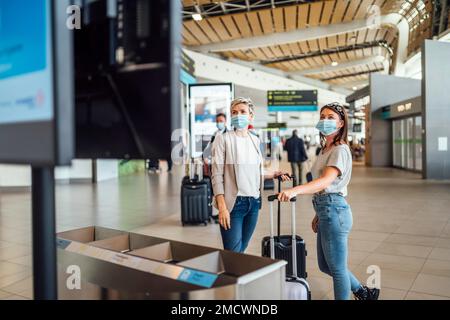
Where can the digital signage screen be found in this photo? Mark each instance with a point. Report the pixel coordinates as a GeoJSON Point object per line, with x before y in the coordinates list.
{"type": "Point", "coordinates": [206, 101]}
{"type": "Point", "coordinates": [36, 83]}
{"type": "Point", "coordinates": [292, 100]}
{"type": "Point", "coordinates": [25, 61]}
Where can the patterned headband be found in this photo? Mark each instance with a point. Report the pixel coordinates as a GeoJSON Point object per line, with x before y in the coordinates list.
{"type": "Point", "coordinates": [338, 108]}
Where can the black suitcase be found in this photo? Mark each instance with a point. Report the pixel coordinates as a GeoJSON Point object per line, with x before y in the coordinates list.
{"type": "Point", "coordinates": [283, 248]}
{"type": "Point", "coordinates": [269, 184]}
{"type": "Point", "coordinates": [296, 287]}
{"type": "Point", "coordinates": [196, 199]}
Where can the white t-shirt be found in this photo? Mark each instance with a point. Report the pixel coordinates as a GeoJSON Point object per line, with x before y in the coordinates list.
{"type": "Point", "coordinates": [248, 167]}
{"type": "Point", "coordinates": [339, 157]}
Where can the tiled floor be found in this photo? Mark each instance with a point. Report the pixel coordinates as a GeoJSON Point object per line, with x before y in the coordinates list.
{"type": "Point", "coordinates": [401, 225]}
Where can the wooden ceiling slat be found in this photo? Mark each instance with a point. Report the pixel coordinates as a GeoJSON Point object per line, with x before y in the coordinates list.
{"type": "Point", "coordinates": [339, 11]}
{"type": "Point", "coordinates": [254, 23]}
{"type": "Point", "coordinates": [328, 7]}
{"type": "Point", "coordinates": [278, 19]}
{"type": "Point", "coordinates": [304, 47]}
{"type": "Point", "coordinates": [290, 18]}
{"type": "Point", "coordinates": [351, 10]}
{"type": "Point", "coordinates": [322, 43]}
{"type": "Point", "coordinates": [242, 25]}
{"type": "Point", "coordinates": [361, 35]}
{"type": "Point", "coordinates": [295, 49]}
{"type": "Point", "coordinates": [285, 49]}
{"type": "Point", "coordinates": [350, 55]}
{"type": "Point", "coordinates": [327, 59]}
{"type": "Point", "coordinates": [371, 34]}
{"type": "Point", "coordinates": [342, 41]}
{"type": "Point", "coordinates": [295, 66]}
{"type": "Point", "coordinates": [303, 64]}
{"type": "Point", "coordinates": [315, 10]}
{"type": "Point", "coordinates": [188, 3]}
{"type": "Point", "coordinates": [363, 10]}
{"type": "Point", "coordinates": [214, 35]}
{"type": "Point", "coordinates": [342, 56]}
{"type": "Point", "coordinates": [258, 53]}
{"type": "Point", "coordinates": [266, 21]}
{"type": "Point", "coordinates": [277, 51]}
{"type": "Point", "coordinates": [231, 27]}
{"type": "Point", "coordinates": [334, 57]}
{"type": "Point", "coordinates": [268, 53]}
{"type": "Point", "coordinates": [303, 10]}
{"type": "Point", "coordinates": [219, 28]}
{"type": "Point", "coordinates": [195, 30]}
{"type": "Point", "coordinates": [190, 39]}
{"type": "Point", "coordinates": [313, 45]}
{"type": "Point", "coordinates": [318, 60]}
{"type": "Point", "coordinates": [241, 55]}
{"type": "Point", "coordinates": [332, 42]}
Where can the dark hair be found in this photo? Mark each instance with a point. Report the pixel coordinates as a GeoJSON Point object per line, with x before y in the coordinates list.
{"type": "Point", "coordinates": [221, 115]}
{"type": "Point", "coordinates": [295, 132]}
{"type": "Point", "coordinates": [342, 135]}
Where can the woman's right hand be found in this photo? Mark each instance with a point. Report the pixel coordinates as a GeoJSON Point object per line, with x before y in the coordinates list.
{"type": "Point", "coordinates": [315, 224]}
{"type": "Point", "coordinates": [224, 219]}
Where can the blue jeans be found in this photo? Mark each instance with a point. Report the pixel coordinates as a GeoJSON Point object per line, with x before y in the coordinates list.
{"type": "Point", "coordinates": [244, 217]}
{"type": "Point", "coordinates": [335, 223]}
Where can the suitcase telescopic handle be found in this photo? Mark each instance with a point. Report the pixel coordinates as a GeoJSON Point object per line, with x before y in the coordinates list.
{"type": "Point", "coordinates": [274, 197]}
{"type": "Point", "coordinates": [293, 200]}
{"type": "Point", "coordinates": [281, 180]}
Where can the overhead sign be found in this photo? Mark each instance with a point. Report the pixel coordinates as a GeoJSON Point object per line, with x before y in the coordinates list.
{"type": "Point", "coordinates": [292, 100]}
{"type": "Point", "coordinates": [277, 125]}
{"type": "Point", "coordinates": [187, 69]}
{"type": "Point", "coordinates": [403, 108]}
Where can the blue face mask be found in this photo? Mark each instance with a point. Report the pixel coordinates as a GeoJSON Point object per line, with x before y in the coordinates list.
{"type": "Point", "coordinates": [220, 125]}
{"type": "Point", "coordinates": [240, 121]}
{"type": "Point", "coordinates": [327, 127]}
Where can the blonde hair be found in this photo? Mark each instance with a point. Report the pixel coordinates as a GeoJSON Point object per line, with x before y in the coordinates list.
{"type": "Point", "coordinates": [247, 101]}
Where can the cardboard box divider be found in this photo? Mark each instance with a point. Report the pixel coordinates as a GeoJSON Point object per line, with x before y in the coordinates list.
{"type": "Point", "coordinates": [226, 263]}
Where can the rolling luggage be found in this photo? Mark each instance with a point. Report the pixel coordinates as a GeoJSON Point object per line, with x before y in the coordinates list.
{"type": "Point", "coordinates": [269, 184]}
{"type": "Point", "coordinates": [196, 199]}
{"type": "Point", "coordinates": [283, 247]}
{"type": "Point", "coordinates": [297, 288]}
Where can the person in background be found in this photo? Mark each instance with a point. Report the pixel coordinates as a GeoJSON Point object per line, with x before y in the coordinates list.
{"type": "Point", "coordinates": [237, 178]}
{"type": "Point", "coordinates": [333, 220]}
{"type": "Point", "coordinates": [295, 148]}
{"type": "Point", "coordinates": [221, 124]}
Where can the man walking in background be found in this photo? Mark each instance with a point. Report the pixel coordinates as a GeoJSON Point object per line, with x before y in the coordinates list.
{"type": "Point", "coordinates": [295, 148]}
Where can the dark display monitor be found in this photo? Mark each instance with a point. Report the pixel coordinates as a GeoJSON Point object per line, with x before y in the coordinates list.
{"type": "Point", "coordinates": [36, 83]}
{"type": "Point", "coordinates": [127, 62]}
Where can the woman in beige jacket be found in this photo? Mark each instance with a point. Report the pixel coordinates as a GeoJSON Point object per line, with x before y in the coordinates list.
{"type": "Point", "coordinates": [237, 178]}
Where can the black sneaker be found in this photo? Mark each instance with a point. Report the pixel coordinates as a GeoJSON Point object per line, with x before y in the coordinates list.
{"type": "Point", "coordinates": [366, 293]}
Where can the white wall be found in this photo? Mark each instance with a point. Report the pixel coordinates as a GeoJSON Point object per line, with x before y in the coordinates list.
{"type": "Point", "coordinates": [20, 176]}
{"type": "Point", "coordinates": [15, 176]}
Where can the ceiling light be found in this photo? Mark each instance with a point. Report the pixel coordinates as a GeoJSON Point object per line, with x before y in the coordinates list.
{"type": "Point", "coordinates": [334, 64]}
{"type": "Point", "coordinates": [197, 17]}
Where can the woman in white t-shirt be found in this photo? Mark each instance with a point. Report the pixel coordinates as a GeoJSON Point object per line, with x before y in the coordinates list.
{"type": "Point", "coordinates": [333, 220]}
{"type": "Point", "coordinates": [237, 178]}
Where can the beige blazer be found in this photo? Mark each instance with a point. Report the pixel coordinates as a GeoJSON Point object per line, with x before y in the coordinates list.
{"type": "Point", "coordinates": [223, 167]}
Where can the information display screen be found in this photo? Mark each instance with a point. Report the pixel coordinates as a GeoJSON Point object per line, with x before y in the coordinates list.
{"type": "Point", "coordinates": [292, 100]}
{"type": "Point", "coordinates": [26, 93]}
{"type": "Point", "coordinates": [206, 101]}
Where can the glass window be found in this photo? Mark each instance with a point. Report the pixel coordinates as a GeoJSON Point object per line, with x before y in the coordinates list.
{"type": "Point", "coordinates": [418, 142]}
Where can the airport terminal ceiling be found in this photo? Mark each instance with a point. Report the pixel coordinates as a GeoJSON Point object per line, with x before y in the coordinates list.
{"type": "Point", "coordinates": [293, 36]}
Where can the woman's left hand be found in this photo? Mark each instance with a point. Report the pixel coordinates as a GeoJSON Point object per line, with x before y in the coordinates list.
{"type": "Point", "coordinates": [284, 176]}
{"type": "Point", "coordinates": [287, 195]}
